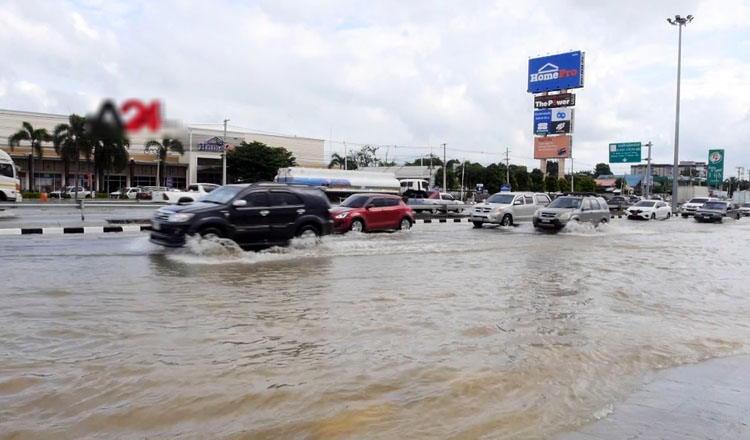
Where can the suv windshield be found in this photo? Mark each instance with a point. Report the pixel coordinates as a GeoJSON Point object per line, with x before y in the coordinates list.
{"type": "Point", "coordinates": [505, 199]}
{"type": "Point", "coordinates": [565, 202]}
{"type": "Point", "coordinates": [714, 205]}
{"type": "Point", "coordinates": [355, 201]}
{"type": "Point", "coordinates": [698, 200]}
{"type": "Point", "coordinates": [645, 203]}
{"type": "Point", "coordinates": [222, 195]}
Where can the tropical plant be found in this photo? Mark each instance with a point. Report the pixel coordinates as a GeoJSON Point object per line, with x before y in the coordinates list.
{"type": "Point", "coordinates": [337, 161]}
{"type": "Point", "coordinates": [551, 184]}
{"type": "Point", "coordinates": [563, 185]}
{"type": "Point", "coordinates": [35, 137]}
{"type": "Point", "coordinates": [161, 149]}
{"type": "Point", "coordinates": [71, 141]}
{"type": "Point", "coordinates": [111, 154]}
{"type": "Point", "coordinates": [256, 161]}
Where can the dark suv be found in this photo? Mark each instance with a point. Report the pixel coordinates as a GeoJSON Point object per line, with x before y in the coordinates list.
{"type": "Point", "coordinates": [257, 215]}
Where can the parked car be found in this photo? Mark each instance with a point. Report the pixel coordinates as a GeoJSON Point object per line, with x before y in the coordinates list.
{"type": "Point", "coordinates": [72, 192]}
{"type": "Point", "coordinates": [693, 204]}
{"type": "Point", "coordinates": [744, 209]}
{"type": "Point", "coordinates": [437, 202]}
{"type": "Point", "coordinates": [634, 199]}
{"type": "Point", "coordinates": [715, 211]}
{"type": "Point", "coordinates": [507, 208]}
{"type": "Point", "coordinates": [194, 192]}
{"type": "Point", "coordinates": [649, 210]}
{"type": "Point", "coordinates": [585, 208]}
{"type": "Point", "coordinates": [370, 212]}
{"type": "Point", "coordinates": [618, 203]}
{"type": "Point", "coordinates": [147, 192]}
{"type": "Point", "coordinates": [253, 215]}
{"type": "Point", "coordinates": [129, 192]}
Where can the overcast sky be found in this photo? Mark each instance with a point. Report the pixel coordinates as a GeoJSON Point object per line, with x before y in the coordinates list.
{"type": "Point", "coordinates": [408, 74]}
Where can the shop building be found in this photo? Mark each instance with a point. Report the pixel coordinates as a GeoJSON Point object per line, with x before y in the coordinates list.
{"type": "Point", "coordinates": [202, 161]}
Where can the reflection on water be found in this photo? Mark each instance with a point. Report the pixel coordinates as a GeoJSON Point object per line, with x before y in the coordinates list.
{"type": "Point", "coordinates": [441, 331]}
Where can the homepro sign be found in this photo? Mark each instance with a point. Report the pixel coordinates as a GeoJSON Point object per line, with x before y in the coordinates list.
{"type": "Point", "coordinates": [556, 72]}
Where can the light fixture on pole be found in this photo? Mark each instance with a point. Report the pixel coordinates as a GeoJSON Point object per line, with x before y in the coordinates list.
{"type": "Point", "coordinates": [224, 162]}
{"type": "Point", "coordinates": [679, 22]}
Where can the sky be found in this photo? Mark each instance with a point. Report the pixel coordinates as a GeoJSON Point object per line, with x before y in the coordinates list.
{"type": "Point", "coordinates": [405, 76]}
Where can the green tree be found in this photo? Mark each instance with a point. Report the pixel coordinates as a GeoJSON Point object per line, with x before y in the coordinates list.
{"type": "Point", "coordinates": [602, 169]}
{"type": "Point", "coordinates": [551, 184]}
{"type": "Point", "coordinates": [563, 185]}
{"type": "Point", "coordinates": [256, 161]}
{"type": "Point", "coordinates": [366, 156]}
{"type": "Point", "coordinates": [521, 176]}
{"type": "Point", "coordinates": [161, 149]}
{"type": "Point", "coordinates": [585, 184]}
{"type": "Point", "coordinates": [35, 137]}
{"type": "Point", "coordinates": [71, 141]}
{"type": "Point", "coordinates": [111, 154]}
{"type": "Point", "coordinates": [337, 160]}
{"type": "Point", "coordinates": [537, 180]}
{"type": "Point", "coordinates": [450, 179]}
{"type": "Point", "coordinates": [552, 168]}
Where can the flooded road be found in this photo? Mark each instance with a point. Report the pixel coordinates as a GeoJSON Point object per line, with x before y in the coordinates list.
{"type": "Point", "coordinates": [439, 332]}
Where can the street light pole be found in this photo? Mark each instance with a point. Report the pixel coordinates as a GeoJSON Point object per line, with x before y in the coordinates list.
{"type": "Point", "coordinates": [224, 162]}
{"type": "Point", "coordinates": [679, 22]}
{"type": "Point", "coordinates": [445, 172]}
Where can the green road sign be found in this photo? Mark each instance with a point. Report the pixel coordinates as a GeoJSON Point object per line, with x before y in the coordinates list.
{"type": "Point", "coordinates": [715, 168]}
{"type": "Point", "coordinates": [625, 152]}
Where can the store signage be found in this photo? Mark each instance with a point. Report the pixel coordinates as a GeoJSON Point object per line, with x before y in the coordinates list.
{"type": "Point", "coordinates": [215, 143]}
{"type": "Point", "coordinates": [136, 115]}
{"type": "Point", "coordinates": [556, 72]}
{"type": "Point", "coordinates": [548, 121]}
{"type": "Point", "coordinates": [625, 152]}
{"type": "Point", "coordinates": [550, 101]}
{"type": "Point", "coordinates": [551, 147]}
{"type": "Point", "coordinates": [715, 168]}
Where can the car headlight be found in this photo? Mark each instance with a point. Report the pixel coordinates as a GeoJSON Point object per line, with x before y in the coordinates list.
{"type": "Point", "coordinates": [564, 215]}
{"type": "Point", "coordinates": [343, 214]}
{"type": "Point", "coordinates": [179, 217]}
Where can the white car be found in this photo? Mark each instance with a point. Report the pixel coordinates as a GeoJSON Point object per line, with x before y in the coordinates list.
{"type": "Point", "coordinates": [691, 206]}
{"type": "Point", "coordinates": [507, 208]}
{"type": "Point", "coordinates": [194, 193]}
{"type": "Point", "coordinates": [649, 210]}
{"type": "Point", "coordinates": [125, 193]}
{"type": "Point", "coordinates": [744, 209]}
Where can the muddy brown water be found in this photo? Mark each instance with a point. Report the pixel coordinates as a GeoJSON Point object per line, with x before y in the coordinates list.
{"type": "Point", "coordinates": [439, 332]}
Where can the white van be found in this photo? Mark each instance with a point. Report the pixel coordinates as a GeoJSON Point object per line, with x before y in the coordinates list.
{"type": "Point", "coordinates": [10, 186]}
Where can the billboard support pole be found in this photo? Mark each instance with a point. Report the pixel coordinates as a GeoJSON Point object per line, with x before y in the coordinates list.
{"type": "Point", "coordinates": [648, 170]}
{"type": "Point", "coordinates": [679, 22]}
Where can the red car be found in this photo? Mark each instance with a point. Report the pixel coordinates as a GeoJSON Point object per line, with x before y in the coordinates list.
{"type": "Point", "coordinates": [371, 212]}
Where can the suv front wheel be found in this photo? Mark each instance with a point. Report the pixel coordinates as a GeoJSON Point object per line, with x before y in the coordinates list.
{"type": "Point", "coordinates": [507, 220]}
{"type": "Point", "coordinates": [308, 231]}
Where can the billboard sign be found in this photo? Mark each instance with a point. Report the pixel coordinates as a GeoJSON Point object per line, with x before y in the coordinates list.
{"type": "Point", "coordinates": [556, 72]}
{"type": "Point", "coordinates": [552, 101]}
{"type": "Point", "coordinates": [549, 121]}
{"type": "Point", "coordinates": [552, 147]}
{"type": "Point", "coordinates": [715, 168]}
{"type": "Point", "coordinates": [625, 152]}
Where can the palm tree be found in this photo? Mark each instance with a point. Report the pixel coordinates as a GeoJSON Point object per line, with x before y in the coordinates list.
{"type": "Point", "coordinates": [336, 161]}
{"type": "Point", "coordinates": [161, 148]}
{"type": "Point", "coordinates": [110, 154]}
{"type": "Point", "coordinates": [70, 142]}
{"type": "Point", "coordinates": [36, 137]}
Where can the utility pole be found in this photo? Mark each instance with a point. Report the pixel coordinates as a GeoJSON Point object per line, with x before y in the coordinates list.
{"type": "Point", "coordinates": [463, 167]}
{"type": "Point", "coordinates": [345, 157]}
{"type": "Point", "coordinates": [648, 170]}
{"type": "Point", "coordinates": [573, 177]}
{"type": "Point", "coordinates": [507, 167]}
{"type": "Point", "coordinates": [445, 171]}
{"type": "Point", "coordinates": [224, 164]}
{"type": "Point", "coordinates": [431, 176]}
{"type": "Point", "coordinates": [679, 22]}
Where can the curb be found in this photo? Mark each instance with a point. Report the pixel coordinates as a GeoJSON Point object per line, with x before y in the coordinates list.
{"type": "Point", "coordinates": [73, 230]}
{"type": "Point", "coordinates": [442, 220]}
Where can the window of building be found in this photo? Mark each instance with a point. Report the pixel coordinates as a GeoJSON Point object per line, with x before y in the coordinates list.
{"type": "Point", "coordinates": [144, 181]}
{"type": "Point", "coordinates": [113, 183]}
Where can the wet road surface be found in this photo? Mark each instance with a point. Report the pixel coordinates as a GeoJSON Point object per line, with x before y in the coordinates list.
{"type": "Point", "coordinates": [443, 331]}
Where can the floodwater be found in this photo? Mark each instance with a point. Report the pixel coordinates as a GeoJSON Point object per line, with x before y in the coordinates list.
{"type": "Point", "coordinates": [443, 331]}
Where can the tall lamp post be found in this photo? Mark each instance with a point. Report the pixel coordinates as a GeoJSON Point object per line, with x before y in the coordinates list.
{"type": "Point", "coordinates": [679, 22]}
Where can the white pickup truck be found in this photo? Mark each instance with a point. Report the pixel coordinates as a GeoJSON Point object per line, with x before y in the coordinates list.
{"type": "Point", "coordinates": [194, 192]}
{"type": "Point", "coordinates": [437, 202]}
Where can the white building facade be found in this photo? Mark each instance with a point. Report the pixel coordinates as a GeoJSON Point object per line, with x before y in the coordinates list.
{"type": "Point", "coordinates": [201, 162]}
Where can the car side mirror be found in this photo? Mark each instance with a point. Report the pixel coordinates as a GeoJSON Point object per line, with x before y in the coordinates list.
{"type": "Point", "coordinates": [184, 201]}
{"type": "Point", "coordinates": [239, 203]}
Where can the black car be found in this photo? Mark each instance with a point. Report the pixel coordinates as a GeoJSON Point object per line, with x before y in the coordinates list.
{"type": "Point", "coordinates": [618, 203]}
{"type": "Point", "coordinates": [715, 211]}
{"type": "Point", "coordinates": [254, 216]}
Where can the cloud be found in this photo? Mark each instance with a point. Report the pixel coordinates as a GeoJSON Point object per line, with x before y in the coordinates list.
{"type": "Point", "coordinates": [415, 74]}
